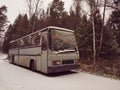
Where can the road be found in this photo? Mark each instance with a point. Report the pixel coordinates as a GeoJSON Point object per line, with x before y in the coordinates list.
{"type": "Point", "coordinates": [14, 77]}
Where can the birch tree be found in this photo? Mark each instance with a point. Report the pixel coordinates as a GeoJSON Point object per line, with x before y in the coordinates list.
{"type": "Point", "coordinates": [93, 11]}
{"type": "Point", "coordinates": [102, 29]}
{"type": "Point", "coordinates": [34, 8]}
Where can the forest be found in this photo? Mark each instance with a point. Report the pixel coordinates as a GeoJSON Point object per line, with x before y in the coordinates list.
{"type": "Point", "coordinates": [98, 37]}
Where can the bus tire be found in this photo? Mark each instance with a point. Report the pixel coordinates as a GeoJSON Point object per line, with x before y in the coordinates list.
{"type": "Point", "coordinates": [32, 65]}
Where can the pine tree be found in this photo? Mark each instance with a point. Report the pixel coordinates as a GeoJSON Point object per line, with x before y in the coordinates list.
{"type": "Point", "coordinates": [21, 27]}
{"type": "Point", "coordinates": [111, 41]}
{"type": "Point", "coordinates": [114, 20]}
{"type": "Point", "coordinates": [34, 26]}
{"type": "Point", "coordinates": [3, 18]}
{"type": "Point", "coordinates": [110, 48]}
{"type": "Point", "coordinates": [17, 25]}
{"type": "Point", "coordinates": [8, 38]}
{"type": "Point", "coordinates": [25, 28]}
{"type": "Point", "coordinates": [71, 20]}
{"type": "Point", "coordinates": [56, 12]}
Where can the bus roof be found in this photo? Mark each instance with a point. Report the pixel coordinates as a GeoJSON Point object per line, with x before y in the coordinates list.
{"type": "Point", "coordinates": [44, 29]}
{"type": "Point", "coordinates": [60, 28]}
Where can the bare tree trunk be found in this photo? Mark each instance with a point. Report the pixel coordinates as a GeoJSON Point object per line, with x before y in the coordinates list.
{"type": "Point", "coordinates": [36, 12]}
{"type": "Point", "coordinates": [33, 25]}
{"type": "Point", "coordinates": [29, 4]}
{"type": "Point", "coordinates": [102, 29]}
{"type": "Point", "coordinates": [94, 38]}
{"type": "Point", "coordinates": [33, 9]}
{"type": "Point", "coordinates": [93, 8]}
{"type": "Point", "coordinates": [93, 13]}
{"type": "Point", "coordinates": [94, 44]}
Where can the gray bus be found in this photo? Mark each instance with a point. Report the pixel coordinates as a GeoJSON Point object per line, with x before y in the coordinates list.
{"type": "Point", "coordinates": [49, 50]}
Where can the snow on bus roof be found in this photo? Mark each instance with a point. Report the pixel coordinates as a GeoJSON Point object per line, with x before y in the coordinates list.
{"type": "Point", "coordinates": [60, 28]}
{"type": "Point", "coordinates": [44, 29]}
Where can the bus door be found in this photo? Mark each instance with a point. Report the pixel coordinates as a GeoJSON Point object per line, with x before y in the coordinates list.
{"type": "Point", "coordinates": [44, 52]}
{"type": "Point", "coordinates": [39, 50]}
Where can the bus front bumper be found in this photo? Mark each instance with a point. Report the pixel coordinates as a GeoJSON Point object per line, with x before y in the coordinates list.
{"type": "Point", "coordinates": [57, 69]}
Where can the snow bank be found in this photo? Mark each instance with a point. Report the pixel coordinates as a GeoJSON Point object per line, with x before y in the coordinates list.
{"type": "Point", "coordinates": [3, 57]}
{"type": "Point", "coordinates": [13, 77]}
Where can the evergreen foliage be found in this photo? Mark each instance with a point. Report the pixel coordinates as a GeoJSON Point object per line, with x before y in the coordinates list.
{"type": "Point", "coordinates": [3, 18]}
{"type": "Point", "coordinates": [56, 12]}
{"type": "Point", "coordinates": [75, 20]}
{"type": "Point", "coordinates": [3, 21]}
{"type": "Point", "coordinates": [8, 38]}
{"type": "Point", "coordinates": [114, 20]}
{"type": "Point", "coordinates": [111, 45]}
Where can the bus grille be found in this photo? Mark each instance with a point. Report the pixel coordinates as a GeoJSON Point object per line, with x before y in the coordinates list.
{"type": "Point", "coordinates": [68, 62]}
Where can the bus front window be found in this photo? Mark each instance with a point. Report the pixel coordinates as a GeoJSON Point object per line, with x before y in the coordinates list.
{"type": "Point", "coordinates": [62, 41]}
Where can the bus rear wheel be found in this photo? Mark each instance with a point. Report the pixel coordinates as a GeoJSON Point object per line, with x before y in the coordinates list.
{"type": "Point", "coordinates": [32, 65]}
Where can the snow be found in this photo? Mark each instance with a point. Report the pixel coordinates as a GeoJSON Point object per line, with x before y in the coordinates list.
{"type": "Point", "coordinates": [13, 77]}
{"type": "Point", "coordinates": [2, 57]}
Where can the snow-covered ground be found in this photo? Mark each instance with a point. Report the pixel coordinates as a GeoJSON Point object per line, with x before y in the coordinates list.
{"type": "Point", "coordinates": [3, 57]}
{"type": "Point", "coordinates": [13, 77]}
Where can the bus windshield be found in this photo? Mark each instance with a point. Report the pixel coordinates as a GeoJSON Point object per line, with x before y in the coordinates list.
{"type": "Point", "coordinates": [62, 41]}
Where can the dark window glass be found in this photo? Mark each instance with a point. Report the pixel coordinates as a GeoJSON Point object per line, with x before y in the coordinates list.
{"type": "Point", "coordinates": [21, 42]}
{"type": "Point", "coordinates": [36, 39]}
{"type": "Point", "coordinates": [62, 40]}
{"type": "Point", "coordinates": [27, 41]}
{"type": "Point", "coordinates": [18, 42]}
{"type": "Point", "coordinates": [44, 42]}
{"type": "Point", "coordinates": [13, 44]}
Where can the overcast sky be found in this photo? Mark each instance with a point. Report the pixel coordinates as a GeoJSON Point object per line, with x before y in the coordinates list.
{"type": "Point", "coordinates": [16, 7]}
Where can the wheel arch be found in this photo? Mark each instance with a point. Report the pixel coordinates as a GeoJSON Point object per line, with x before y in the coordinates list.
{"type": "Point", "coordinates": [32, 64]}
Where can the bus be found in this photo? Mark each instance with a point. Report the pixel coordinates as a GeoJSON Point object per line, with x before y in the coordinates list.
{"type": "Point", "coordinates": [49, 50]}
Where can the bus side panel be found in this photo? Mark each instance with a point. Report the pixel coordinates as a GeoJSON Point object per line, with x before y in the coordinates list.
{"type": "Point", "coordinates": [14, 53]}
{"type": "Point", "coordinates": [38, 63]}
{"type": "Point", "coordinates": [44, 62]}
{"type": "Point", "coordinates": [33, 51]}
{"type": "Point", "coordinates": [27, 54]}
{"type": "Point", "coordinates": [16, 59]}
{"type": "Point", "coordinates": [24, 60]}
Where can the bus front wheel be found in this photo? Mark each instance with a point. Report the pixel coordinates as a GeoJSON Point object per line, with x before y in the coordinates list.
{"type": "Point", "coordinates": [32, 65]}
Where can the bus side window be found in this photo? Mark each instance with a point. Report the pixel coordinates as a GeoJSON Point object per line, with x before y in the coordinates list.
{"type": "Point", "coordinates": [12, 45]}
{"type": "Point", "coordinates": [17, 43]}
{"type": "Point", "coordinates": [21, 42]}
{"type": "Point", "coordinates": [27, 41]}
{"type": "Point", "coordinates": [36, 39]}
{"type": "Point", "coordinates": [44, 43]}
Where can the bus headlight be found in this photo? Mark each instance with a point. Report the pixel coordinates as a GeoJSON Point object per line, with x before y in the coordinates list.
{"type": "Point", "coordinates": [77, 61]}
{"type": "Point", "coordinates": [56, 62]}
